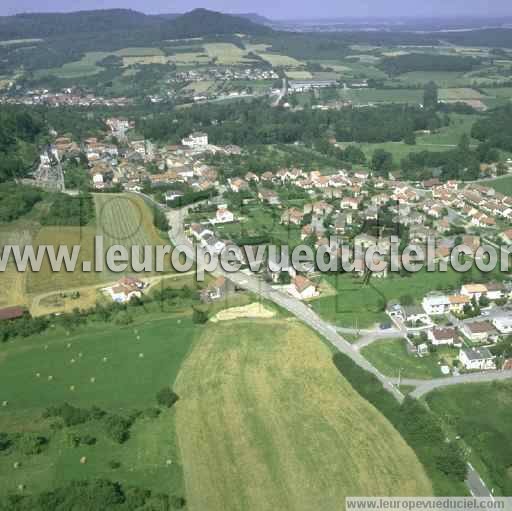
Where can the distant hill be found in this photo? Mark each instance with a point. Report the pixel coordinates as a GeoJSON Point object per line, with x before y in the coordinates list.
{"type": "Point", "coordinates": [202, 22]}
{"type": "Point", "coordinates": [123, 22]}
{"type": "Point", "coordinates": [256, 18]}
{"type": "Point", "coordinates": [47, 25]}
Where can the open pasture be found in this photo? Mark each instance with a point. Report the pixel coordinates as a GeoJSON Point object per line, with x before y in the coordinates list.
{"type": "Point", "coordinates": [102, 363]}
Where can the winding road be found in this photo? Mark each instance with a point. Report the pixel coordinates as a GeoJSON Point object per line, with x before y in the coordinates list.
{"type": "Point", "coordinates": [304, 313]}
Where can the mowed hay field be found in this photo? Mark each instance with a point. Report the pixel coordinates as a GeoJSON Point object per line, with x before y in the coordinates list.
{"type": "Point", "coordinates": [103, 362]}
{"type": "Point", "coordinates": [266, 422]}
{"type": "Point", "coordinates": [121, 219]}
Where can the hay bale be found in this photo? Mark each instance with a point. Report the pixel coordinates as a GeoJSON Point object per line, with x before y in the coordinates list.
{"type": "Point", "coordinates": [45, 347]}
{"type": "Point", "coordinates": [68, 345]}
{"type": "Point", "coordinates": [135, 331]}
{"type": "Point", "coordinates": [93, 380]}
{"type": "Point", "coordinates": [141, 355]}
{"type": "Point", "coordinates": [5, 403]}
{"type": "Point", "coordinates": [80, 355]}
{"type": "Point", "coordinates": [72, 360]}
{"type": "Point", "coordinates": [72, 388]}
{"type": "Point", "coordinates": [50, 378]}
{"type": "Point", "coordinates": [105, 359]}
{"type": "Point", "coordinates": [38, 375]}
{"type": "Point", "coordinates": [138, 338]}
{"type": "Point", "coordinates": [83, 460]}
{"type": "Point", "coordinates": [16, 465]}
{"type": "Point", "coordinates": [21, 487]}
{"type": "Point", "coordinates": [168, 462]}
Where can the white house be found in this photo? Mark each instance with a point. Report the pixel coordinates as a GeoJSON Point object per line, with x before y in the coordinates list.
{"type": "Point", "coordinates": [303, 288]}
{"type": "Point", "coordinates": [436, 305]}
{"type": "Point", "coordinates": [442, 336]}
{"type": "Point", "coordinates": [477, 330]}
{"type": "Point", "coordinates": [477, 359]}
{"type": "Point", "coordinates": [503, 325]}
{"type": "Point", "coordinates": [223, 215]}
{"type": "Point", "coordinates": [194, 140]}
{"type": "Point", "coordinates": [473, 290]}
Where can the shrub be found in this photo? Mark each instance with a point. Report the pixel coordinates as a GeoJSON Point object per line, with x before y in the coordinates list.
{"type": "Point", "coordinates": [166, 397]}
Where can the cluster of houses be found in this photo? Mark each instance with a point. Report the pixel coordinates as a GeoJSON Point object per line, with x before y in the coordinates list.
{"type": "Point", "coordinates": [225, 74]}
{"type": "Point", "coordinates": [66, 98]}
{"type": "Point", "coordinates": [479, 331]}
{"type": "Point", "coordinates": [125, 289]}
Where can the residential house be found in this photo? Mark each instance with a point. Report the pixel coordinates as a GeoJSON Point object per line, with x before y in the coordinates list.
{"type": "Point", "coordinates": [477, 359]}
{"type": "Point", "coordinates": [473, 290]}
{"type": "Point", "coordinates": [238, 184]}
{"type": "Point", "coordinates": [269, 196]}
{"type": "Point", "coordinates": [477, 331]}
{"type": "Point", "coordinates": [457, 303]}
{"type": "Point", "coordinates": [223, 215]}
{"type": "Point", "coordinates": [495, 290]}
{"type": "Point", "coordinates": [292, 216]}
{"type": "Point", "coordinates": [436, 305]}
{"type": "Point", "coordinates": [442, 336]}
{"type": "Point", "coordinates": [350, 203]}
{"type": "Point", "coordinates": [304, 288]}
{"type": "Point", "coordinates": [503, 324]}
{"type": "Point", "coordinates": [196, 140]}
{"type": "Point", "coordinates": [215, 290]}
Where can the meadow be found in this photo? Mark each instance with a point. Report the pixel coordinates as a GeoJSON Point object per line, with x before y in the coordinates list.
{"type": "Point", "coordinates": [361, 305]}
{"type": "Point", "coordinates": [391, 356]}
{"type": "Point", "coordinates": [267, 422]}
{"type": "Point", "coordinates": [119, 369]}
{"type": "Point", "coordinates": [501, 184]}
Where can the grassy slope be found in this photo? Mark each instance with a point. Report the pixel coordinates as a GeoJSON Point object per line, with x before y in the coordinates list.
{"type": "Point", "coordinates": [268, 423]}
{"type": "Point", "coordinates": [125, 382]}
{"type": "Point", "coordinates": [481, 414]}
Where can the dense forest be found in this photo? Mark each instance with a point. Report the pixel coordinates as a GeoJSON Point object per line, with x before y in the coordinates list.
{"type": "Point", "coordinates": [495, 129]}
{"type": "Point", "coordinates": [19, 131]}
{"type": "Point", "coordinates": [244, 123]}
{"type": "Point", "coordinates": [427, 62]}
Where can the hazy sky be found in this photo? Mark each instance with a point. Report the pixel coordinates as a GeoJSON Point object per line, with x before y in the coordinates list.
{"type": "Point", "coordinates": [287, 9]}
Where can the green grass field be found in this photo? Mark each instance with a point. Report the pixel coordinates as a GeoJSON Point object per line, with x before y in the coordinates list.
{"type": "Point", "coordinates": [123, 383]}
{"type": "Point", "coordinates": [359, 305]}
{"type": "Point", "coordinates": [481, 415]}
{"type": "Point", "coordinates": [365, 96]}
{"type": "Point", "coordinates": [501, 184]}
{"type": "Point", "coordinates": [266, 422]}
{"type": "Point", "coordinates": [391, 356]}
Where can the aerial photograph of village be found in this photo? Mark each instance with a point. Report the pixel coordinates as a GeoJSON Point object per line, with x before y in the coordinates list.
{"type": "Point", "coordinates": [255, 256]}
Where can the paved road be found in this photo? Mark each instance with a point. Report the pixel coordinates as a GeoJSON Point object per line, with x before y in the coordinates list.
{"type": "Point", "coordinates": [302, 311]}
{"type": "Point", "coordinates": [475, 483]}
{"type": "Point", "coordinates": [423, 387]}
{"type": "Point", "coordinates": [377, 336]}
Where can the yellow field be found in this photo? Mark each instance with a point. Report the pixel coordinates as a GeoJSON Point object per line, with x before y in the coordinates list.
{"type": "Point", "coordinates": [299, 75]}
{"type": "Point", "coordinates": [280, 60]}
{"type": "Point", "coordinates": [226, 53]}
{"type": "Point", "coordinates": [190, 58]}
{"type": "Point", "coordinates": [121, 220]}
{"type": "Point", "coordinates": [145, 60]}
{"type": "Point", "coordinates": [266, 422]}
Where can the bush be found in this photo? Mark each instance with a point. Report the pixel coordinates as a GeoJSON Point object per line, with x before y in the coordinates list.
{"type": "Point", "coordinates": [199, 316]}
{"type": "Point", "coordinates": [166, 397]}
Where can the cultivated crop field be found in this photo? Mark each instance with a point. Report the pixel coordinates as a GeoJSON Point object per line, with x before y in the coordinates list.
{"type": "Point", "coordinates": [226, 53]}
{"type": "Point", "coordinates": [267, 422]}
